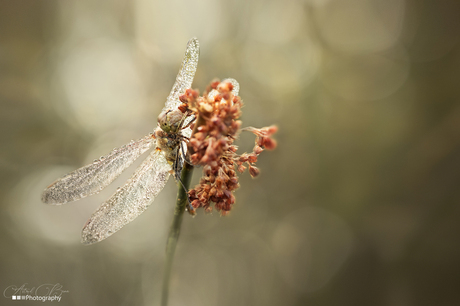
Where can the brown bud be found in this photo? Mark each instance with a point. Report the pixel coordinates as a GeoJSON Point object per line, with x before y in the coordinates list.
{"type": "Point", "coordinates": [204, 197]}
{"type": "Point", "coordinates": [236, 99]}
{"type": "Point", "coordinates": [272, 129]}
{"type": "Point", "coordinates": [259, 141]}
{"type": "Point", "coordinates": [196, 203]}
{"type": "Point", "coordinates": [207, 169]}
{"type": "Point", "coordinates": [212, 192]}
{"type": "Point", "coordinates": [254, 171]}
{"type": "Point", "coordinates": [224, 87]}
{"type": "Point", "coordinates": [237, 124]}
{"type": "Point", "coordinates": [258, 150]}
{"type": "Point", "coordinates": [227, 193]}
{"type": "Point", "coordinates": [214, 84]}
{"type": "Point", "coordinates": [252, 158]}
{"type": "Point", "coordinates": [219, 182]}
{"type": "Point", "coordinates": [234, 183]}
{"type": "Point", "coordinates": [213, 164]}
{"type": "Point", "coordinates": [269, 143]}
{"type": "Point", "coordinates": [244, 157]}
{"type": "Point", "coordinates": [195, 94]}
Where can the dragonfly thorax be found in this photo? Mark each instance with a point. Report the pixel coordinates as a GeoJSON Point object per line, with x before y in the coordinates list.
{"type": "Point", "coordinates": [167, 143]}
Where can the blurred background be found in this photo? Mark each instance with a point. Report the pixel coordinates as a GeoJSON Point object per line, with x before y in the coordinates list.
{"type": "Point", "coordinates": [358, 205]}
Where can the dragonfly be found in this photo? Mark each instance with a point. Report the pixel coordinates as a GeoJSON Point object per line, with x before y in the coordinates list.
{"type": "Point", "coordinates": [134, 197]}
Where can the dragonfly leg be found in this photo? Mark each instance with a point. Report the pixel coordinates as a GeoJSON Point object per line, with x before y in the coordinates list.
{"type": "Point", "coordinates": [190, 123]}
{"type": "Point", "coordinates": [190, 208]}
{"type": "Point", "coordinates": [185, 155]}
{"type": "Point", "coordinates": [177, 171]}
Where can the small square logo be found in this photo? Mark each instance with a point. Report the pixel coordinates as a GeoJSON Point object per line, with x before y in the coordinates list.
{"type": "Point", "coordinates": [13, 297]}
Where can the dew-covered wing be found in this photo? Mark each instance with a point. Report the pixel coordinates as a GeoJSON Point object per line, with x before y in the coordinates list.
{"type": "Point", "coordinates": [129, 201]}
{"type": "Point", "coordinates": [186, 74]}
{"type": "Point", "coordinates": [236, 85]}
{"type": "Point", "coordinates": [92, 178]}
{"type": "Point", "coordinates": [235, 90]}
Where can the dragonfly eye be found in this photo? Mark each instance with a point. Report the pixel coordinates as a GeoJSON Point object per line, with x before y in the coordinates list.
{"type": "Point", "coordinates": [170, 120]}
{"type": "Point", "coordinates": [163, 120]}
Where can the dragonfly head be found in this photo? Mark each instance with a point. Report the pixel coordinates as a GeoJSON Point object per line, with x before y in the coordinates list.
{"type": "Point", "coordinates": [169, 120]}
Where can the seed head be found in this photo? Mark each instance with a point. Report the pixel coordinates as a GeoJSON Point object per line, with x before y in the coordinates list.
{"type": "Point", "coordinates": [211, 145]}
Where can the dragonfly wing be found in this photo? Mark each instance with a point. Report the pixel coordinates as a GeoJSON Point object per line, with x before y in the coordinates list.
{"type": "Point", "coordinates": [236, 85]}
{"type": "Point", "coordinates": [129, 201]}
{"type": "Point", "coordinates": [235, 90]}
{"type": "Point", "coordinates": [184, 81]}
{"type": "Point", "coordinates": [92, 178]}
{"type": "Point", "coordinates": [186, 74]}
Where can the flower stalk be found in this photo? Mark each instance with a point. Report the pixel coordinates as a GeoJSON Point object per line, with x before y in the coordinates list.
{"type": "Point", "coordinates": [181, 203]}
{"type": "Point", "coordinates": [211, 147]}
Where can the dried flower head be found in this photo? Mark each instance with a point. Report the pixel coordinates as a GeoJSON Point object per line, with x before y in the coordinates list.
{"type": "Point", "coordinates": [211, 145]}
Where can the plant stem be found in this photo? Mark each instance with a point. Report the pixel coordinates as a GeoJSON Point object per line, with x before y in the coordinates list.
{"type": "Point", "coordinates": [174, 231]}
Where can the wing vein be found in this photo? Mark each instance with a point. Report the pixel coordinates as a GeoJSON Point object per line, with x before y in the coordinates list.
{"type": "Point", "coordinates": [129, 201]}
{"type": "Point", "coordinates": [92, 178]}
